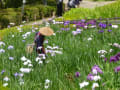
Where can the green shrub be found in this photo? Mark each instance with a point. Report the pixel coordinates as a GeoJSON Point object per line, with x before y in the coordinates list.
{"type": "Point", "coordinates": [9, 15]}
{"type": "Point", "coordinates": [39, 11]}
{"type": "Point", "coordinates": [38, 2]}
{"type": "Point", "coordinates": [45, 11]}
{"type": "Point", "coordinates": [51, 2]}
{"type": "Point", "coordinates": [4, 22]}
{"type": "Point", "coordinates": [31, 12]}
{"type": "Point", "coordinates": [13, 3]}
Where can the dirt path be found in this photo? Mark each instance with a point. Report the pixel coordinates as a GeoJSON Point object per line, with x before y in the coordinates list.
{"type": "Point", "coordinates": [91, 4]}
{"type": "Point", "coordinates": [38, 22]}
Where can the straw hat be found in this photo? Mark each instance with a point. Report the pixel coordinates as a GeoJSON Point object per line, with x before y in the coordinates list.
{"type": "Point", "coordinates": [46, 31]}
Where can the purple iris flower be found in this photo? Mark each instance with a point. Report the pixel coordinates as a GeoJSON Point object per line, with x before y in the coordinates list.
{"type": "Point", "coordinates": [62, 28]}
{"type": "Point", "coordinates": [92, 22]}
{"type": "Point", "coordinates": [90, 77]}
{"type": "Point", "coordinates": [97, 68]}
{"type": "Point", "coordinates": [117, 56]}
{"type": "Point", "coordinates": [109, 30]}
{"type": "Point", "coordinates": [101, 31]}
{"type": "Point", "coordinates": [113, 59]}
{"type": "Point", "coordinates": [117, 69]}
{"type": "Point", "coordinates": [77, 74]}
{"type": "Point", "coordinates": [11, 58]}
{"type": "Point", "coordinates": [2, 71]}
{"type": "Point", "coordinates": [67, 29]}
{"type": "Point", "coordinates": [83, 20]}
{"type": "Point", "coordinates": [74, 22]}
{"type": "Point", "coordinates": [82, 25]}
{"type": "Point", "coordinates": [105, 59]}
{"type": "Point", "coordinates": [8, 26]}
{"type": "Point", "coordinates": [23, 40]}
{"type": "Point", "coordinates": [110, 24]}
{"type": "Point", "coordinates": [16, 74]}
{"type": "Point", "coordinates": [79, 22]}
{"type": "Point", "coordinates": [102, 25]}
{"type": "Point", "coordinates": [66, 23]}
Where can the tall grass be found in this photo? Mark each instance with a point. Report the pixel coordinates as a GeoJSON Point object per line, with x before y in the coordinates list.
{"type": "Point", "coordinates": [79, 55]}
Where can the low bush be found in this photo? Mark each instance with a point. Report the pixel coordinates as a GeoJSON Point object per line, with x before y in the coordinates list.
{"type": "Point", "coordinates": [30, 13]}
{"type": "Point", "coordinates": [38, 2]}
{"type": "Point", "coordinates": [4, 21]}
{"type": "Point", "coordinates": [9, 15]}
{"type": "Point", "coordinates": [51, 2]}
{"type": "Point", "coordinates": [38, 11]}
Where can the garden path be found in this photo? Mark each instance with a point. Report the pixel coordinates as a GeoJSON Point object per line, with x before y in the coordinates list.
{"type": "Point", "coordinates": [38, 22]}
{"type": "Point", "coordinates": [91, 4]}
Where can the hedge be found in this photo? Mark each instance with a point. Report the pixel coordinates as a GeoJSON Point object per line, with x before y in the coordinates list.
{"type": "Point", "coordinates": [30, 13]}
{"type": "Point", "coordinates": [37, 2]}
{"type": "Point", "coordinates": [9, 15]}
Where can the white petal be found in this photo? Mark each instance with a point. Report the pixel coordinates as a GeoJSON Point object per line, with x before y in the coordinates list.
{"type": "Point", "coordinates": [6, 79]}
{"type": "Point", "coordinates": [25, 63]}
{"type": "Point", "coordinates": [40, 62]}
{"type": "Point", "coordinates": [5, 84]}
{"type": "Point", "coordinates": [25, 70]}
{"type": "Point", "coordinates": [23, 58]}
{"type": "Point", "coordinates": [95, 85]}
{"type": "Point", "coordinates": [47, 81]}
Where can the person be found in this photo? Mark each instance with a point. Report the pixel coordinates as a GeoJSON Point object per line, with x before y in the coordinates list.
{"type": "Point", "coordinates": [77, 2]}
{"type": "Point", "coordinates": [71, 4]}
{"type": "Point", "coordinates": [59, 8]}
{"type": "Point", "coordinates": [40, 37]}
{"type": "Point", "coordinates": [45, 2]}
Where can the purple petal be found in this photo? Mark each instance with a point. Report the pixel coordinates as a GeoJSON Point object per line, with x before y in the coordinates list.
{"type": "Point", "coordinates": [117, 69]}
{"type": "Point", "coordinates": [77, 74]}
{"type": "Point", "coordinates": [90, 77]}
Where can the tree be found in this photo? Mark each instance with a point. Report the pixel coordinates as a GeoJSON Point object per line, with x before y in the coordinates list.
{"type": "Point", "coordinates": [2, 4]}
{"type": "Point", "coordinates": [13, 3]}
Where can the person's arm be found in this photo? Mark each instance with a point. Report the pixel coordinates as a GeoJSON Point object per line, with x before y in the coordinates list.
{"type": "Point", "coordinates": [36, 37]}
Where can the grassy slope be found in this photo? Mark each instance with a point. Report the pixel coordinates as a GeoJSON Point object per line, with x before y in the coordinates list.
{"type": "Point", "coordinates": [106, 11]}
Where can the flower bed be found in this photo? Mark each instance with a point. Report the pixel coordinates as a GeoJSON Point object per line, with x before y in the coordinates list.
{"type": "Point", "coordinates": [79, 57]}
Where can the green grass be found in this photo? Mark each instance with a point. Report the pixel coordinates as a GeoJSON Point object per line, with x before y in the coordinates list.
{"type": "Point", "coordinates": [79, 55]}
{"type": "Point", "coordinates": [106, 11]}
